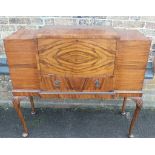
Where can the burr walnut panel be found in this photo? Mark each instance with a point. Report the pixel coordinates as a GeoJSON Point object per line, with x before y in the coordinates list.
{"type": "Point", "coordinates": [77, 57]}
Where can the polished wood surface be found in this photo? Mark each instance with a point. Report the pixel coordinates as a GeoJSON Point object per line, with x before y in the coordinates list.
{"type": "Point", "coordinates": [58, 83]}
{"type": "Point", "coordinates": [139, 104]}
{"type": "Point", "coordinates": [80, 52]}
{"type": "Point", "coordinates": [131, 60]}
{"type": "Point", "coordinates": [77, 62]}
{"type": "Point", "coordinates": [81, 32]}
{"type": "Point", "coordinates": [77, 57]}
{"type": "Point", "coordinates": [16, 104]}
{"type": "Point", "coordinates": [21, 56]}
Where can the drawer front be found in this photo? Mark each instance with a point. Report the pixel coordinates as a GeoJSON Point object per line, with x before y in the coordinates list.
{"type": "Point", "coordinates": [57, 83]}
{"type": "Point", "coordinates": [77, 57]}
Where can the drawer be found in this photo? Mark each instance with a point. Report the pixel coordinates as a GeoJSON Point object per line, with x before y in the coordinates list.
{"type": "Point", "coordinates": [77, 57]}
{"type": "Point", "coordinates": [57, 83]}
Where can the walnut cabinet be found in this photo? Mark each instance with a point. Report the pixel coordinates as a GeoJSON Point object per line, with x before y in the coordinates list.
{"type": "Point", "coordinates": [77, 62]}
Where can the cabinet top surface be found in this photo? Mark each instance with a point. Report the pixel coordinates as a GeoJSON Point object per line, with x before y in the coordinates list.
{"type": "Point", "coordinates": [77, 32]}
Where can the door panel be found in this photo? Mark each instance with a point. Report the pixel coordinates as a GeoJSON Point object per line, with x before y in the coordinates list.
{"type": "Point", "coordinates": [77, 57]}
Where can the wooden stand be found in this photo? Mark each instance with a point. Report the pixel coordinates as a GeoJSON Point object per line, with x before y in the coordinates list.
{"type": "Point", "coordinates": [33, 112]}
{"type": "Point", "coordinates": [138, 101]}
{"type": "Point", "coordinates": [139, 104]}
{"type": "Point", "coordinates": [124, 106]}
{"type": "Point", "coordinates": [16, 104]}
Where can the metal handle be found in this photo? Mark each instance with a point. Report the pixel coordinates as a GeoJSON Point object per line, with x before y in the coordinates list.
{"type": "Point", "coordinates": [57, 83]}
{"type": "Point", "coordinates": [97, 84]}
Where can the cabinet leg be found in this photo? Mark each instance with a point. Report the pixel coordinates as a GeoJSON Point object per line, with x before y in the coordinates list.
{"type": "Point", "coordinates": [139, 104]}
{"type": "Point", "coordinates": [33, 111]}
{"type": "Point", "coordinates": [16, 104]}
{"type": "Point", "coordinates": [124, 106]}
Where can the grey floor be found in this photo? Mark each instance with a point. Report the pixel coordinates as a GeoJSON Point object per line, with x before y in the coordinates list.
{"type": "Point", "coordinates": [76, 123]}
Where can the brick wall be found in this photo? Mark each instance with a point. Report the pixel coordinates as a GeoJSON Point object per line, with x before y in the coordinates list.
{"type": "Point", "coordinates": [145, 24]}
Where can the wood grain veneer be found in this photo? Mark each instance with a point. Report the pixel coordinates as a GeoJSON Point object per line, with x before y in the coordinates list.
{"type": "Point", "coordinates": [80, 52]}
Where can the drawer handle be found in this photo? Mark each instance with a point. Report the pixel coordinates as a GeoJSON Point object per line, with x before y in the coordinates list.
{"type": "Point", "coordinates": [57, 83]}
{"type": "Point", "coordinates": [97, 84]}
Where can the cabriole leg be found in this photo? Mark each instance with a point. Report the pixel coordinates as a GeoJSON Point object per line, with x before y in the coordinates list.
{"type": "Point", "coordinates": [33, 111]}
{"type": "Point", "coordinates": [139, 104]}
{"type": "Point", "coordinates": [16, 104]}
{"type": "Point", "coordinates": [124, 106]}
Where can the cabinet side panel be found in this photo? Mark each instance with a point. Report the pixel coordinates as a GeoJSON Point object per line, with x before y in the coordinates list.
{"type": "Point", "coordinates": [131, 61]}
{"type": "Point", "coordinates": [21, 56]}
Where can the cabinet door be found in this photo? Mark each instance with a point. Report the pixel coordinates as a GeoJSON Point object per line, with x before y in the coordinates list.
{"type": "Point", "coordinates": [78, 60]}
